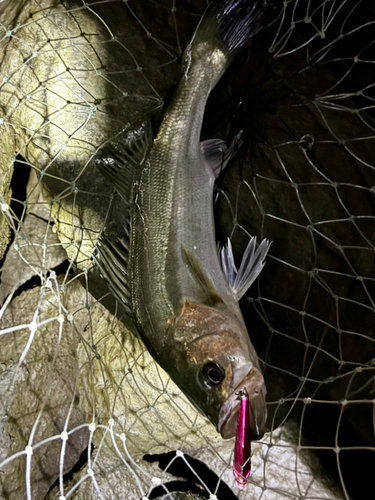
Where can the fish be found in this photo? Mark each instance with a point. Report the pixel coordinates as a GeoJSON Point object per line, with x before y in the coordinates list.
{"type": "Point", "coordinates": [179, 292]}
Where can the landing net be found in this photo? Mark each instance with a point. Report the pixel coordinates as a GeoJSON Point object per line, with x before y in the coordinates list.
{"type": "Point", "coordinates": [85, 411]}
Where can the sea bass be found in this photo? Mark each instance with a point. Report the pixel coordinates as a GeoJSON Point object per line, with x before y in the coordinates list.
{"type": "Point", "coordinates": [179, 292]}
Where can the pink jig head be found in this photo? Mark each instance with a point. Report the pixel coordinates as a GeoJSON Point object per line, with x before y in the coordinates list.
{"type": "Point", "coordinates": [242, 447]}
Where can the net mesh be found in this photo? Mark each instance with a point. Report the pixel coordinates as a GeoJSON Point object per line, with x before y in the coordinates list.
{"type": "Point", "coordinates": [85, 411]}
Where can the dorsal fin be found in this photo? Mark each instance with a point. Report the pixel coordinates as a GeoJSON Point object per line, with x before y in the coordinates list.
{"type": "Point", "coordinates": [111, 257]}
{"type": "Point", "coordinates": [252, 264]}
{"type": "Point", "coordinates": [121, 165]}
{"type": "Point", "coordinates": [210, 295]}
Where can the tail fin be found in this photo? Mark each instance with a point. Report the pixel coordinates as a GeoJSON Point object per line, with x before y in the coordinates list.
{"type": "Point", "coordinates": [231, 24]}
{"type": "Point", "coordinates": [239, 22]}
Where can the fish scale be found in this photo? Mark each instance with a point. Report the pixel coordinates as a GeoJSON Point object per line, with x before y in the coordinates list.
{"type": "Point", "coordinates": [190, 181]}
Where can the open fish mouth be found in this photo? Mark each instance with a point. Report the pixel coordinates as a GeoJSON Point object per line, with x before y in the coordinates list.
{"type": "Point", "coordinates": [254, 384]}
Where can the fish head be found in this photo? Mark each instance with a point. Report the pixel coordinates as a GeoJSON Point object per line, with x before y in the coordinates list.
{"type": "Point", "coordinates": [216, 360]}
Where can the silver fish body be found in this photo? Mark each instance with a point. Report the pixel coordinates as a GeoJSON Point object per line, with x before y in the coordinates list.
{"type": "Point", "coordinates": [169, 274]}
{"type": "Point", "coordinates": [174, 205]}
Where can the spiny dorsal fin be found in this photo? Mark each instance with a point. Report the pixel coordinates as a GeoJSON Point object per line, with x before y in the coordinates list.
{"type": "Point", "coordinates": [217, 154]}
{"type": "Point", "coordinates": [211, 297]}
{"type": "Point", "coordinates": [121, 163]}
{"type": "Point", "coordinates": [252, 264]}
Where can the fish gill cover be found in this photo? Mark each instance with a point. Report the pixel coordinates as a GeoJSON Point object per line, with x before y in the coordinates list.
{"type": "Point", "coordinates": [85, 411]}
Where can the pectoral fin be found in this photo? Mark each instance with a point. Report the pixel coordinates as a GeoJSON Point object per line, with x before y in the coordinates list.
{"type": "Point", "coordinates": [252, 264]}
{"type": "Point", "coordinates": [210, 297]}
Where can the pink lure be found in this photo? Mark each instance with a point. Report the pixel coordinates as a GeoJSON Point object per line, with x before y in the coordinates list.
{"type": "Point", "coordinates": [242, 448]}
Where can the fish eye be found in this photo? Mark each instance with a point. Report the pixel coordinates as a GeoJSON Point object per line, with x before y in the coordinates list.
{"type": "Point", "coordinates": [212, 374]}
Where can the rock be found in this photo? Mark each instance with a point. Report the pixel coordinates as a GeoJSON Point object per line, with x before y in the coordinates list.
{"type": "Point", "coordinates": [278, 470]}
{"type": "Point", "coordinates": [64, 96]}
{"type": "Point", "coordinates": [6, 172]}
{"type": "Point", "coordinates": [179, 495]}
{"type": "Point", "coordinates": [112, 479]}
{"type": "Point", "coordinates": [80, 367]}
{"type": "Point", "coordinates": [38, 373]}
{"type": "Point", "coordinates": [35, 251]}
{"type": "Point", "coordinates": [34, 199]}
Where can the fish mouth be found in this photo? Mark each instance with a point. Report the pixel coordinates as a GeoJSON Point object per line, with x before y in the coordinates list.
{"type": "Point", "coordinates": [228, 417]}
